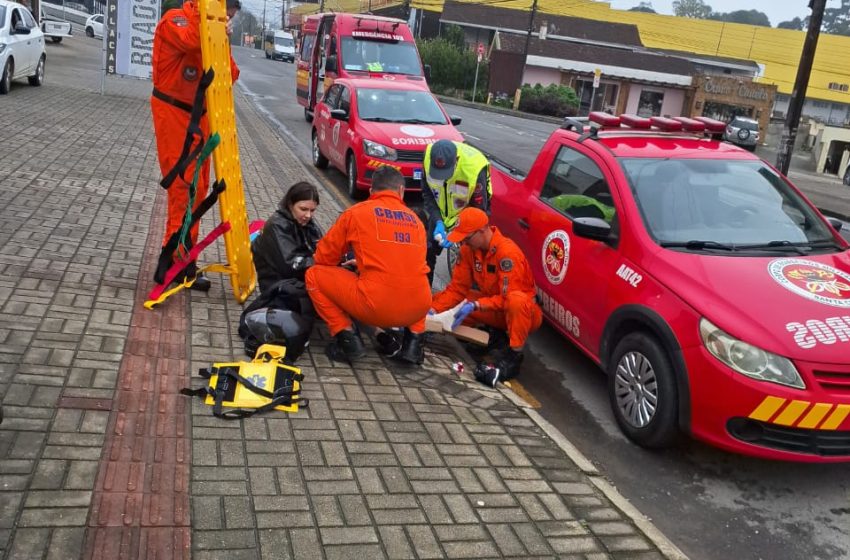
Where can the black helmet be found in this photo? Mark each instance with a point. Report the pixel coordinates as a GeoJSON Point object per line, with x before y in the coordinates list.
{"type": "Point", "coordinates": [281, 326]}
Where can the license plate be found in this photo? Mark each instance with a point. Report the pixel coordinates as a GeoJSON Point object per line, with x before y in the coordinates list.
{"type": "Point", "coordinates": [417, 174]}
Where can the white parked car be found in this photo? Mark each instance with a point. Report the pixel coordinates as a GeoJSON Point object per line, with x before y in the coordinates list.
{"type": "Point", "coordinates": [94, 26]}
{"type": "Point", "coordinates": [21, 46]}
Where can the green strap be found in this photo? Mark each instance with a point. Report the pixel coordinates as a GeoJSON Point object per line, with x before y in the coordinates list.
{"type": "Point", "coordinates": [211, 144]}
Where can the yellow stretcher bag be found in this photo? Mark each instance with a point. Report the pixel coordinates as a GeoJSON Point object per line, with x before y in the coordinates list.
{"type": "Point", "coordinates": [248, 388]}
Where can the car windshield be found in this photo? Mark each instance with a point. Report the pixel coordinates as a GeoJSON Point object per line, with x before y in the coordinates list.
{"type": "Point", "coordinates": [723, 204]}
{"type": "Point", "coordinates": [283, 41]}
{"type": "Point", "coordinates": [746, 124]}
{"type": "Point", "coordinates": [387, 105]}
{"type": "Point", "coordinates": [376, 56]}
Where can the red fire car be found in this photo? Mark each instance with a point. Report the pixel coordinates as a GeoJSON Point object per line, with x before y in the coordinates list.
{"type": "Point", "coordinates": [711, 291]}
{"type": "Point", "coordinates": [362, 124]}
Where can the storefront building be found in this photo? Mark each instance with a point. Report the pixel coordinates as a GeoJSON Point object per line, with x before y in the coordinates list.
{"type": "Point", "coordinates": [724, 97]}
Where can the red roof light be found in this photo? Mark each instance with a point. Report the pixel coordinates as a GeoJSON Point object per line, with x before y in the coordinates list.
{"type": "Point", "coordinates": [634, 121]}
{"type": "Point", "coordinates": [604, 119]}
{"type": "Point", "coordinates": [691, 125]}
{"type": "Point", "coordinates": [712, 125]}
{"type": "Point", "coordinates": [665, 124]}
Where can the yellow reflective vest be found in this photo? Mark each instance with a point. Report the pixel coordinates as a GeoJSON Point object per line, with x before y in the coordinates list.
{"type": "Point", "coordinates": [454, 195]}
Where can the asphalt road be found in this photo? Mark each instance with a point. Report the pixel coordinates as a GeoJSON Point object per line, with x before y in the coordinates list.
{"type": "Point", "coordinates": [711, 504]}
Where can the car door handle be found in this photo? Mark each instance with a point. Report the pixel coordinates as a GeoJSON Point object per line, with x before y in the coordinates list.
{"type": "Point", "coordinates": [523, 224]}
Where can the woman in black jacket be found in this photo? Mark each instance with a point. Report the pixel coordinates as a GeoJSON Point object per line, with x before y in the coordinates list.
{"type": "Point", "coordinates": [284, 250]}
{"type": "Point", "coordinates": [283, 312]}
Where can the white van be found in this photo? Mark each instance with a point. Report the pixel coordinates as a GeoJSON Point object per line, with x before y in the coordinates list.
{"type": "Point", "coordinates": [280, 44]}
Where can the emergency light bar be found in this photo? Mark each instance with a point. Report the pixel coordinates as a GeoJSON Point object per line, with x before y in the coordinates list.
{"type": "Point", "coordinates": [664, 124]}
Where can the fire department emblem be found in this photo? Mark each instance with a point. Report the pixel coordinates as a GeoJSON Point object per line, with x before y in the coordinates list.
{"type": "Point", "coordinates": [556, 256]}
{"type": "Point", "coordinates": [812, 280]}
{"type": "Point", "coordinates": [336, 133]}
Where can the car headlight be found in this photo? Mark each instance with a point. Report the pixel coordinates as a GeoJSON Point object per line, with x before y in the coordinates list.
{"type": "Point", "coordinates": [379, 150]}
{"type": "Point", "coordinates": [747, 359]}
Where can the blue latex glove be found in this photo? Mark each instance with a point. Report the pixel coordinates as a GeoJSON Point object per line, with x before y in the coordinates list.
{"type": "Point", "coordinates": [431, 311]}
{"type": "Point", "coordinates": [446, 244]}
{"type": "Point", "coordinates": [462, 313]}
{"type": "Point", "coordinates": [440, 233]}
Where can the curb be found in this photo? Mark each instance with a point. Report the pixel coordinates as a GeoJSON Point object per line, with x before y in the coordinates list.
{"type": "Point", "coordinates": [501, 110]}
{"type": "Point", "coordinates": [667, 548]}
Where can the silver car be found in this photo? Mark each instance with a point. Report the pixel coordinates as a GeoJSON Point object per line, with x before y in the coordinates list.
{"type": "Point", "coordinates": [744, 132]}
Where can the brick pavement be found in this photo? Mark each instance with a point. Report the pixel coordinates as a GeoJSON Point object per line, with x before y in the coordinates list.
{"type": "Point", "coordinates": [100, 458]}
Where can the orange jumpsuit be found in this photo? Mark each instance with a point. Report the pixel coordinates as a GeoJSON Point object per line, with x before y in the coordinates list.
{"type": "Point", "coordinates": [505, 288]}
{"type": "Point", "coordinates": [391, 287]}
{"type": "Point", "coordinates": [177, 69]}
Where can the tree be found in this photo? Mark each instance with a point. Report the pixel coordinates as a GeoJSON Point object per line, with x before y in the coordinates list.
{"type": "Point", "coordinates": [696, 9]}
{"type": "Point", "coordinates": [645, 7]}
{"type": "Point", "coordinates": [749, 17]}
{"type": "Point", "coordinates": [837, 20]}
{"type": "Point", "coordinates": [796, 24]}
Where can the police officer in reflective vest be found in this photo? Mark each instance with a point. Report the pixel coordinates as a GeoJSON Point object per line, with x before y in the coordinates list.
{"type": "Point", "coordinates": [456, 176]}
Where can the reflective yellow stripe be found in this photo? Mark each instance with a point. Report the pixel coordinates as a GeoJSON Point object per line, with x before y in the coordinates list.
{"type": "Point", "coordinates": [837, 417]}
{"type": "Point", "coordinates": [815, 415]}
{"type": "Point", "coordinates": [792, 412]}
{"type": "Point", "coordinates": [767, 408]}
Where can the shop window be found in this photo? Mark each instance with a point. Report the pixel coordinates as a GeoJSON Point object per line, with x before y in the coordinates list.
{"type": "Point", "coordinates": [603, 99]}
{"type": "Point", "coordinates": [839, 87]}
{"type": "Point", "coordinates": [650, 103]}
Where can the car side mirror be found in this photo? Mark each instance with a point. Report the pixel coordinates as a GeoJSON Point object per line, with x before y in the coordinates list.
{"type": "Point", "coordinates": [330, 64]}
{"type": "Point", "coordinates": [22, 29]}
{"type": "Point", "coordinates": [837, 224]}
{"type": "Point", "coordinates": [592, 228]}
{"type": "Point", "coordinates": [455, 120]}
{"type": "Point", "coordinates": [339, 114]}
{"type": "Point", "coordinates": [428, 72]}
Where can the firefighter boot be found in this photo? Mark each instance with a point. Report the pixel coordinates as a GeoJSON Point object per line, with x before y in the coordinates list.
{"type": "Point", "coordinates": [201, 283]}
{"type": "Point", "coordinates": [345, 346]}
{"type": "Point", "coordinates": [412, 349]}
{"type": "Point", "coordinates": [506, 367]}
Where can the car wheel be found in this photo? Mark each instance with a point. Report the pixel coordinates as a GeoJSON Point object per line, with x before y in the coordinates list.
{"type": "Point", "coordinates": [308, 116]}
{"type": "Point", "coordinates": [351, 176]}
{"type": "Point", "coordinates": [38, 78]}
{"type": "Point", "coordinates": [642, 390]}
{"type": "Point", "coordinates": [6, 78]}
{"type": "Point", "coordinates": [56, 39]}
{"type": "Point", "coordinates": [319, 160]}
{"type": "Point", "coordinates": [89, 32]}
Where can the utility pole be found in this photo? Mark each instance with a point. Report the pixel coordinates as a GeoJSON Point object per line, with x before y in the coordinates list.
{"type": "Point", "coordinates": [264, 20]}
{"type": "Point", "coordinates": [527, 40]}
{"type": "Point", "coordinates": [321, 6]}
{"type": "Point", "coordinates": [801, 84]}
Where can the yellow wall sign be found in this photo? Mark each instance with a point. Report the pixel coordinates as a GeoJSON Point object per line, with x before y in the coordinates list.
{"type": "Point", "coordinates": [215, 48]}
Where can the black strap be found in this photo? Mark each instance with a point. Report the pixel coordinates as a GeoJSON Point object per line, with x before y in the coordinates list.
{"type": "Point", "coordinates": [193, 132]}
{"type": "Point", "coordinates": [162, 96]}
{"type": "Point", "coordinates": [166, 255]}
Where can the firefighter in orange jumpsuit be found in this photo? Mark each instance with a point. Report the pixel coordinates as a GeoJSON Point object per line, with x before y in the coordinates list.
{"type": "Point", "coordinates": [391, 287]}
{"type": "Point", "coordinates": [177, 69]}
{"type": "Point", "coordinates": [504, 292]}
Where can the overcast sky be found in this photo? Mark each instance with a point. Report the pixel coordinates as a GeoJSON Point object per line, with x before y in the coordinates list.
{"type": "Point", "coordinates": [776, 10]}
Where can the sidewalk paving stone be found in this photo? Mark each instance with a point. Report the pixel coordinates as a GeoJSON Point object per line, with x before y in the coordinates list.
{"type": "Point", "coordinates": [102, 458]}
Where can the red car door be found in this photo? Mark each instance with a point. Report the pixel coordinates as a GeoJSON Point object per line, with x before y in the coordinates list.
{"type": "Point", "coordinates": [339, 135]}
{"type": "Point", "coordinates": [324, 123]}
{"type": "Point", "coordinates": [575, 275]}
